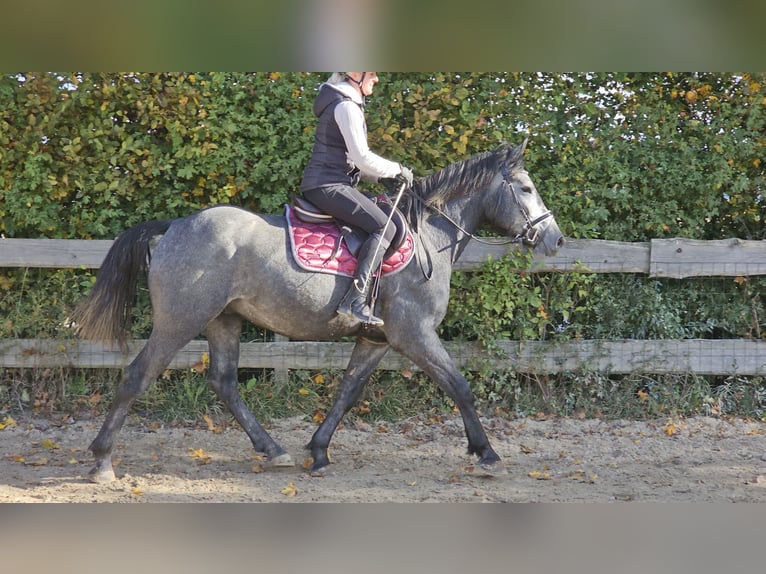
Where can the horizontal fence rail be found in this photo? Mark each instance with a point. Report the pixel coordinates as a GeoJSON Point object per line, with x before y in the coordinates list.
{"type": "Point", "coordinates": [666, 258]}
{"type": "Point", "coordinates": [673, 258]}
{"type": "Point", "coordinates": [700, 356]}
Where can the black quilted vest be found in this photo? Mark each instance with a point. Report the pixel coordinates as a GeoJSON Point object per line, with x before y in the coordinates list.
{"type": "Point", "coordinates": [329, 163]}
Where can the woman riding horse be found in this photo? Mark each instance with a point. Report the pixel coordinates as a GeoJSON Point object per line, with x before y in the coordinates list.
{"type": "Point", "coordinates": [341, 156]}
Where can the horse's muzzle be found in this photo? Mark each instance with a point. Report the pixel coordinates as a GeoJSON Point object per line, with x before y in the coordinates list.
{"type": "Point", "coordinates": [549, 238]}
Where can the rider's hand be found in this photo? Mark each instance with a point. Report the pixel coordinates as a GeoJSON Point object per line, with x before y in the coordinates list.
{"type": "Point", "coordinates": [391, 184]}
{"type": "Point", "coordinates": [405, 176]}
{"type": "Point", "coordinates": [394, 184]}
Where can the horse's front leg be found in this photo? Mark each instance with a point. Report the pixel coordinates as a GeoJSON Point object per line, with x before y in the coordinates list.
{"type": "Point", "coordinates": [427, 351]}
{"type": "Point", "coordinates": [364, 359]}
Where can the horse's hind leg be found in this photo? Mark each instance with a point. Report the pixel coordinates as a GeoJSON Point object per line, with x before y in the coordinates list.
{"type": "Point", "coordinates": [138, 376]}
{"type": "Point", "coordinates": [364, 359]}
{"type": "Point", "coordinates": [223, 337]}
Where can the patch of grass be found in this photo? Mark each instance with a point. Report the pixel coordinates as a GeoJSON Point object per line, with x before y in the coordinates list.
{"type": "Point", "coordinates": [56, 390]}
{"type": "Point", "coordinates": [178, 397]}
{"type": "Point", "coordinates": [636, 396]}
{"type": "Point", "coordinates": [184, 396]}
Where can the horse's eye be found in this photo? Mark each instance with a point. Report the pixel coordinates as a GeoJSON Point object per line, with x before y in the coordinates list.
{"type": "Point", "coordinates": [526, 189]}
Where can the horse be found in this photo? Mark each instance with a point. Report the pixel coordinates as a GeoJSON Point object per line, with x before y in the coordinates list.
{"type": "Point", "coordinates": [212, 270]}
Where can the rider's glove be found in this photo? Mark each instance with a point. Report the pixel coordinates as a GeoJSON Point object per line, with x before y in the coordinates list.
{"type": "Point", "coordinates": [391, 184]}
{"type": "Point", "coordinates": [394, 184]}
{"type": "Point", "coordinates": [405, 176]}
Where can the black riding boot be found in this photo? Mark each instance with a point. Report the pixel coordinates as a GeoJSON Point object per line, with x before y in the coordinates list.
{"type": "Point", "coordinates": [354, 302]}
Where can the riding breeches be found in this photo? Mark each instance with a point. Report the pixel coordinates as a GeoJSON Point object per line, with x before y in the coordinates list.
{"type": "Point", "coordinates": [351, 206]}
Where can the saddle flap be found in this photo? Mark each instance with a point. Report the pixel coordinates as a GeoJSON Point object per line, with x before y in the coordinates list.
{"type": "Point", "coordinates": [353, 237]}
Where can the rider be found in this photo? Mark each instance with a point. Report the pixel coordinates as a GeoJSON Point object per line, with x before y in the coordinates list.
{"type": "Point", "coordinates": [341, 157]}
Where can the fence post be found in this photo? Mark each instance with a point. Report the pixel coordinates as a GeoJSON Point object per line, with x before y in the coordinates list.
{"type": "Point", "coordinates": [280, 375]}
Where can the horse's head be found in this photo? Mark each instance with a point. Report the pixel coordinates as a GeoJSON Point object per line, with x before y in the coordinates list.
{"type": "Point", "coordinates": [517, 207]}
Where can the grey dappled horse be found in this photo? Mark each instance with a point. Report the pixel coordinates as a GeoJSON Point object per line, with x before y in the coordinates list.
{"type": "Point", "coordinates": [217, 267]}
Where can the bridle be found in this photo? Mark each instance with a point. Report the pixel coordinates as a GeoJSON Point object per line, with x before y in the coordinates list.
{"type": "Point", "coordinates": [530, 233]}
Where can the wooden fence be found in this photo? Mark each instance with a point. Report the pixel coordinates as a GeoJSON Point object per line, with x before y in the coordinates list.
{"type": "Point", "coordinates": [669, 258]}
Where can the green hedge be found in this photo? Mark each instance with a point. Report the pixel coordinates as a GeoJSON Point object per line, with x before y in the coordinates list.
{"type": "Point", "coordinates": [626, 157]}
{"type": "Point", "coordinates": [617, 156]}
{"type": "Point", "coordinates": [87, 155]}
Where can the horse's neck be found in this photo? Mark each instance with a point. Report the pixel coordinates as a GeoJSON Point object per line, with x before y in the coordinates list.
{"type": "Point", "coordinates": [450, 231]}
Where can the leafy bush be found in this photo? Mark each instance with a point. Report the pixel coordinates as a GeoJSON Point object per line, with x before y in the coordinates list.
{"type": "Point", "coordinates": [616, 156]}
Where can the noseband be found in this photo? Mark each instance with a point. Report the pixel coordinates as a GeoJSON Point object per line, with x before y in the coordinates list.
{"type": "Point", "coordinates": [530, 233]}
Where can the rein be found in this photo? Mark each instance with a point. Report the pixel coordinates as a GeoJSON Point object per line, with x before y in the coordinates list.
{"type": "Point", "coordinates": [529, 234]}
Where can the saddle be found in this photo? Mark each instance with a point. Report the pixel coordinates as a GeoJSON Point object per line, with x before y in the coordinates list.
{"type": "Point", "coordinates": [321, 243]}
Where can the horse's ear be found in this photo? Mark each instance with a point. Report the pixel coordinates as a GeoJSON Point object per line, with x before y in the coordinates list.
{"type": "Point", "coordinates": [515, 154]}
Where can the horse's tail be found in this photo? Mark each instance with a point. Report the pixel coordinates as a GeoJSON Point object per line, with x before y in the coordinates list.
{"type": "Point", "coordinates": [104, 315]}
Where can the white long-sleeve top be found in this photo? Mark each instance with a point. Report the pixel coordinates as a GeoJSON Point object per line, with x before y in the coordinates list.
{"type": "Point", "coordinates": [350, 119]}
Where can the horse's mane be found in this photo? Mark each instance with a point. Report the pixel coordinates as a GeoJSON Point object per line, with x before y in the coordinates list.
{"type": "Point", "coordinates": [461, 178]}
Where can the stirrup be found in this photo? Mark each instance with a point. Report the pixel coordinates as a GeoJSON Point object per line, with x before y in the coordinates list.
{"type": "Point", "coordinates": [354, 305]}
{"type": "Point", "coordinates": [364, 314]}
{"type": "Point", "coordinates": [360, 311]}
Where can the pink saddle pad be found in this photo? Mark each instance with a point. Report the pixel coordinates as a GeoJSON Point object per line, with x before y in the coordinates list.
{"type": "Point", "coordinates": [314, 247]}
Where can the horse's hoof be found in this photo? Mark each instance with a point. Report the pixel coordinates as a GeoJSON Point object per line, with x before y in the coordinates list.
{"type": "Point", "coordinates": [320, 466]}
{"type": "Point", "coordinates": [490, 470]}
{"type": "Point", "coordinates": [101, 475]}
{"type": "Point", "coordinates": [319, 472]}
{"type": "Point", "coordinates": [281, 461]}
